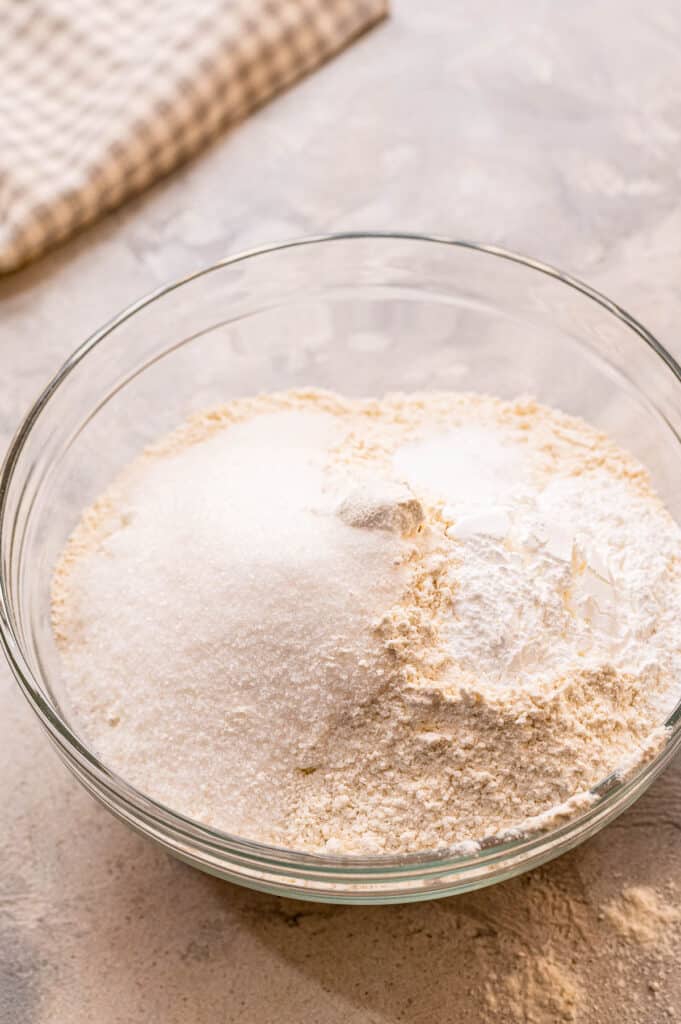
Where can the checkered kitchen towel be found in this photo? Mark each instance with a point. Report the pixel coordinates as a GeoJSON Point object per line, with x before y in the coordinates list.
{"type": "Point", "coordinates": [100, 97]}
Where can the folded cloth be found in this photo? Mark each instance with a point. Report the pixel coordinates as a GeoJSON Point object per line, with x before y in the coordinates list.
{"type": "Point", "coordinates": [98, 98]}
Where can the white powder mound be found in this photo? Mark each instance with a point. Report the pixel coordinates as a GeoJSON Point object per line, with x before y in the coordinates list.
{"type": "Point", "coordinates": [371, 625]}
{"type": "Point", "coordinates": [472, 466]}
{"type": "Point", "coordinates": [561, 579]}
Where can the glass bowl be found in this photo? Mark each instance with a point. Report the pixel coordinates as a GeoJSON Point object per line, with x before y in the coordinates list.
{"type": "Point", "coordinates": [361, 314]}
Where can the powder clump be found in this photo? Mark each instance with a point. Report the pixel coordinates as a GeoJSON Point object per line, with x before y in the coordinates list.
{"type": "Point", "coordinates": [373, 625]}
{"type": "Point", "coordinates": [640, 915]}
{"type": "Point", "coordinates": [382, 506]}
{"type": "Point", "coordinates": [541, 991]}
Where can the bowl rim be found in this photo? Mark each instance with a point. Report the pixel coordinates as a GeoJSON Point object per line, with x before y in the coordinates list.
{"type": "Point", "coordinates": [136, 805]}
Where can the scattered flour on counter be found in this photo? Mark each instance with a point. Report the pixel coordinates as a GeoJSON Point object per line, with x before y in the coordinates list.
{"type": "Point", "coordinates": [373, 625]}
{"type": "Point", "coordinates": [639, 914]}
{"type": "Point", "coordinates": [540, 991]}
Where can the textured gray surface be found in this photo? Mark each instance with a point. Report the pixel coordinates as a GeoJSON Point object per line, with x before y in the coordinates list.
{"type": "Point", "coordinates": [552, 129]}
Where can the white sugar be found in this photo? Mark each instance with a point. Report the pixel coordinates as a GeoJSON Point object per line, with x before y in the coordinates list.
{"type": "Point", "coordinates": [228, 620]}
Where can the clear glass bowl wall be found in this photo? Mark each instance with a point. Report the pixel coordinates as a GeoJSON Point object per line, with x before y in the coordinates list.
{"type": "Point", "coordinates": [361, 315]}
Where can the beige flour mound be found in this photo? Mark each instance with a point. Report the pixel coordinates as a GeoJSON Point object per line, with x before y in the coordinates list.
{"type": "Point", "coordinates": [374, 625]}
{"type": "Point", "coordinates": [538, 991]}
{"type": "Point", "coordinates": [639, 914]}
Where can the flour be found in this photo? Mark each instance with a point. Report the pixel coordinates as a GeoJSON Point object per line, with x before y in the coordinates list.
{"type": "Point", "coordinates": [383, 506]}
{"type": "Point", "coordinates": [640, 915]}
{"type": "Point", "coordinates": [368, 626]}
{"type": "Point", "coordinates": [540, 991]}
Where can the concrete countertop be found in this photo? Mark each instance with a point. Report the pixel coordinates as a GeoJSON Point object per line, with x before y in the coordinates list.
{"type": "Point", "coordinates": [554, 129]}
